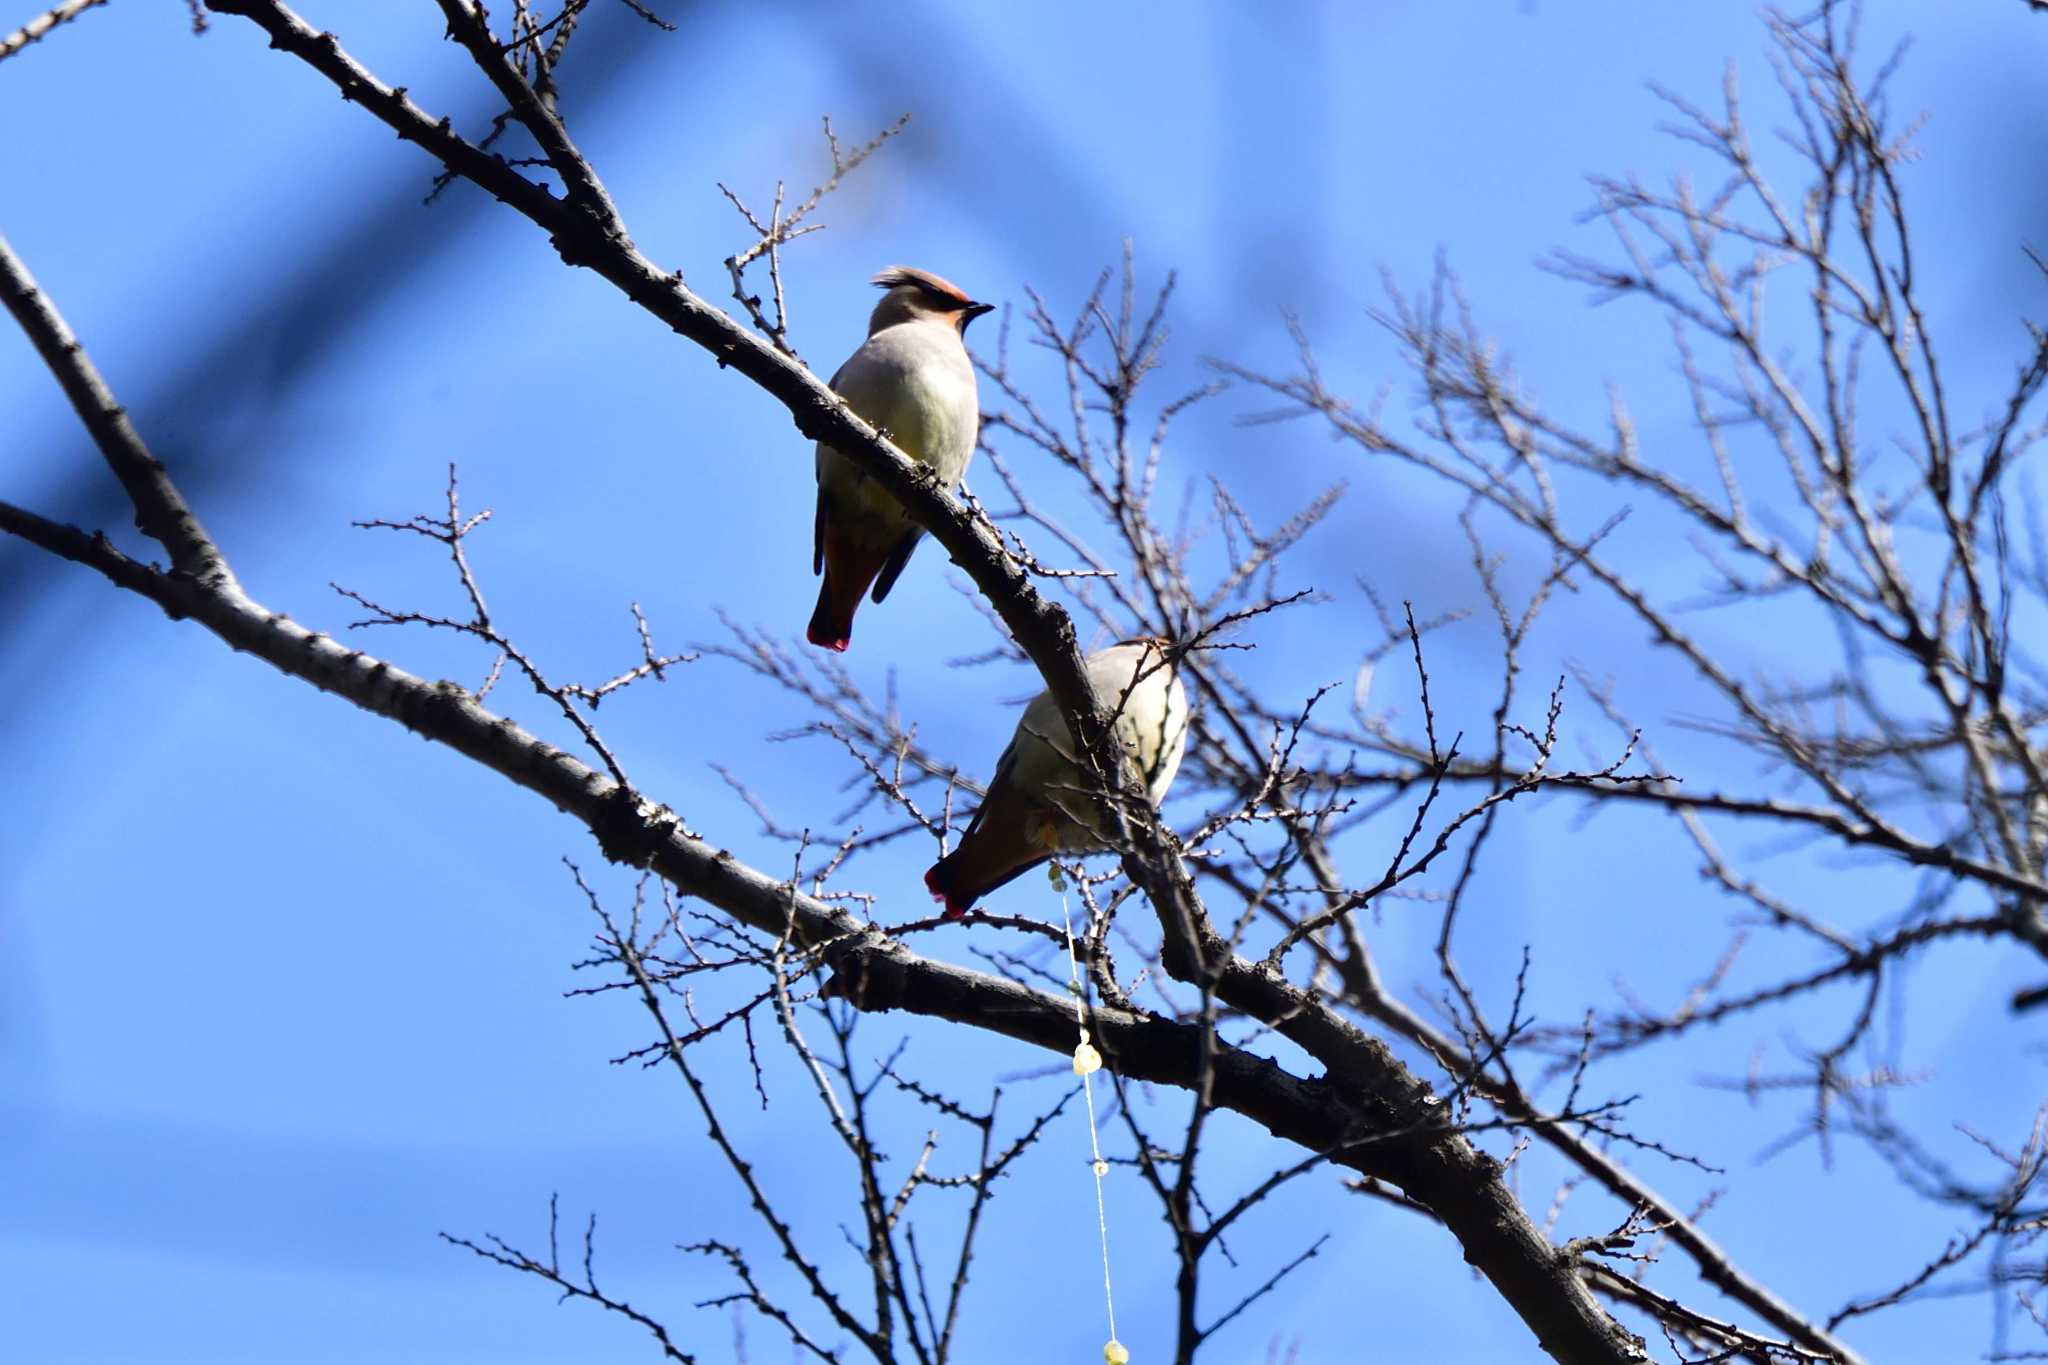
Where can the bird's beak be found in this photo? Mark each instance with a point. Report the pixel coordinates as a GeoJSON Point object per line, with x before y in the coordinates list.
{"type": "Point", "coordinates": [973, 311]}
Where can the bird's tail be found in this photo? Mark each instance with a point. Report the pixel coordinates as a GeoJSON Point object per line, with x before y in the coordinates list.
{"type": "Point", "coordinates": [992, 853]}
{"type": "Point", "coordinates": [849, 569]}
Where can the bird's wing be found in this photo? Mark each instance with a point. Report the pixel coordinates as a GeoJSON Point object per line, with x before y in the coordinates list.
{"type": "Point", "coordinates": [1046, 767]}
{"type": "Point", "coordinates": [818, 534]}
{"type": "Point", "coordinates": [1047, 730]}
{"type": "Point", "coordinates": [1006, 767]}
{"type": "Point", "coordinates": [893, 566]}
{"type": "Point", "coordinates": [824, 456]}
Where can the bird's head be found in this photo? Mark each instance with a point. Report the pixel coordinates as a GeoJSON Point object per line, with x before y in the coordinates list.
{"type": "Point", "coordinates": [920, 296]}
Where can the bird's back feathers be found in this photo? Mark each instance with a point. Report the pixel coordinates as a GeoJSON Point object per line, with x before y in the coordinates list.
{"type": "Point", "coordinates": [1038, 802]}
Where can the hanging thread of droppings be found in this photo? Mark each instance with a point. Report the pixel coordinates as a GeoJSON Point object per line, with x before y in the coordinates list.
{"type": "Point", "coordinates": [1088, 1061]}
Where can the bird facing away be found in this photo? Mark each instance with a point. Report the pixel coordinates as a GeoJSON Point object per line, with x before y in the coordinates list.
{"type": "Point", "coordinates": [1036, 806]}
{"type": "Point", "coordinates": [912, 379]}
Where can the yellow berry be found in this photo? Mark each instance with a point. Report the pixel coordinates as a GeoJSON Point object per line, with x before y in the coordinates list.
{"type": "Point", "coordinates": [1115, 1354]}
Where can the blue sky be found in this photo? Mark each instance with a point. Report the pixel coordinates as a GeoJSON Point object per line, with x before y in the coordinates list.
{"type": "Point", "coordinates": [281, 987]}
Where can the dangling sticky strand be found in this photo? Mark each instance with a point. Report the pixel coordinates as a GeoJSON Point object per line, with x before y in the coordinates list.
{"type": "Point", "coordinates": [1087, 1061]}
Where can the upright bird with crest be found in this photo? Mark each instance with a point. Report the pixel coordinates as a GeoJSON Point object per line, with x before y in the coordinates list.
{"type": "Point", "coordinates": [912, 379]}
{"type": "Point", "coordinates": [1039, 802]}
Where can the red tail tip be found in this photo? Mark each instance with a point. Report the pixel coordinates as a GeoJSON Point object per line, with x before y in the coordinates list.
{"type": "Point", "coordinates": [823, 641]}
{"type": "Point", "coordinates": [939, 894]}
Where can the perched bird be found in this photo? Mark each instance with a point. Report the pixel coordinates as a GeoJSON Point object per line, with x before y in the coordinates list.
{"type": "Point", "coordinates": [912, 379]}
{"type": "Point", "coordinates": [1037, 806]}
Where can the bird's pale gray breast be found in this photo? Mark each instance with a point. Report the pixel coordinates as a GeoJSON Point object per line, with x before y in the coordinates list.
{"type": "Point", "coordinates": [915, 379]}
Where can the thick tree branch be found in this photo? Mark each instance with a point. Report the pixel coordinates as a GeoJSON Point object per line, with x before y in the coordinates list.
{"type": "Point", "coordinates": [467, 26]}
{"type": "Point", "coordinates": [160, 510]}
{"type": "Point", "coordinates": [94, 551]}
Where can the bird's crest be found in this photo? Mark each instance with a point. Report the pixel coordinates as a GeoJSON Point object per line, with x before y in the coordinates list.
{"type": "Point", "coordinates": [941, 291]}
